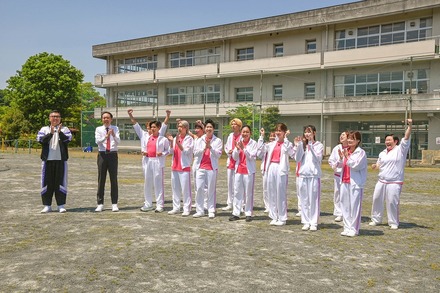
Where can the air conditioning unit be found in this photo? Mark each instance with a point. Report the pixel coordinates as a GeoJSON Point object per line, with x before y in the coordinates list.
{"type": "Point", "coordinates": [411, 74]}
{"type": "Point", "coordinates": [413, 24]}
{"type": "Point", "coordinates": [150, 92]}
{"type": "Point", "coordinates": [350, 33]}
{"type": "Point", "coordinates": [182, 90]}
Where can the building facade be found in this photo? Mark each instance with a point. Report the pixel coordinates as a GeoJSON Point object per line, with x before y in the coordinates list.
{"type": "Point", "coordinates": [363, 66]}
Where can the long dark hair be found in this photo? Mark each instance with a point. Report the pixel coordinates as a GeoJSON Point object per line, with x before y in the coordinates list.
{"type": "Point", "coordinates": [305, 140]}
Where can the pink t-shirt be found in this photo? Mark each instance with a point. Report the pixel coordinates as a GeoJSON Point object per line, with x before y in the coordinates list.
{"type": "Point", "coordinates": [235, 138]}
{"type": "Point", "coordinates": [151, 146]}
{"type": "Point", "coordinates": [242, 168]}
{"type": "Point", "coordinates": [276, 154]}
{"type": "Point", "coordinates": [177, 163]}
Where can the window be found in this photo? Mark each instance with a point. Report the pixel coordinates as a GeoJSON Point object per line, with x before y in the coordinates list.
{"type": "Point", "coordinates": [131, 98]}
{"type": "Point", "coordinates": [385, 34]}
{"type": "Point", "coordinates": [193, 95]}
{"type": "Point", "coordinates": [245, 54]}
{"type": "Point", "coordinates": [310, 46]}
{"type": "Point", "coordinates": [194, 57]}
{"type": "Point", "coordinates": [136, 64]}
{"type": "Point", "coordinates": [382, 83]}
{"type": "Point", "coordinates": [309, 90]}
{"type": "Point", "coordinates": [244, 94]}
{"type": "Point", "coordinates": [277, 92]}
{"type": "Point", "coordinates": [278, 50]}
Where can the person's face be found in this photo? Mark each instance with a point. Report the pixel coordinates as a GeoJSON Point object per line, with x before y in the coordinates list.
{"type": "Point", "coordinates": [308, 134]}
{"type": "Point", "coordinates": [245, 134]}
{"type": "Point", "coordinates": [279, 133]}
{"type": "Point", "coordinates": [390, 143]}
{"type": "Point", "coordinates": [352, 141]}
{"type": "Point", "coordinates": [55, 119]}
{"type": "Point", "coordinates": [154, 130]}
{"type": "Point", "coordinates": [343, 137]}
{"type": "Point", "coordinates": [198, 131]}
{"type": "Point", "coordinates": [209, 129]}
{"type": "Point", "coordinates": [272, 136]}
{"type": "Point", "coordinates": [181, 129]}
{"type": "Point", "coordinates": [106, 119]}
{"type": "Point", "coordinates": [235, 127]}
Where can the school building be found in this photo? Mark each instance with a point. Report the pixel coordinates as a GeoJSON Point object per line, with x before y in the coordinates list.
{"type": "Point", "coordinates": [366, 66]}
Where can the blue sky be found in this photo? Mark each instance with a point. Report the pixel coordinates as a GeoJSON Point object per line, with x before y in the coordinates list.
{"type": "Point", "coordinates": [71, 28]}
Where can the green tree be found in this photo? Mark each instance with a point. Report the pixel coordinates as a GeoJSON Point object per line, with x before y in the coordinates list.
{"type": "Point", "coordinates": [13, 124]}
{"type": "Point", "coordinates": [45, 82]}
{"type": "Point", "coordinates": [250, 115]}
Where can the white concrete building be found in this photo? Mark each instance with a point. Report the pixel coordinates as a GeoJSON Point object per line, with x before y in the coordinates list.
{"type": "Point", "coordinates": [361, 66]}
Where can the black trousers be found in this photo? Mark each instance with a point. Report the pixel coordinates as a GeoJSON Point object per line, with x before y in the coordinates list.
{"type": "Point", "coordinates": [54, 180]}
{"type": "Point", "coordinates": [107, 162]}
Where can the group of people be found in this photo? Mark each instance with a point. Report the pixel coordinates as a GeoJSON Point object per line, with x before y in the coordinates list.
{"type": "Point", "coordinates": [197, 155]}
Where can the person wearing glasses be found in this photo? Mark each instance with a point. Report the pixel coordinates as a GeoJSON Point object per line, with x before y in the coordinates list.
{"type": "Point", "coordinates": [54, 155]}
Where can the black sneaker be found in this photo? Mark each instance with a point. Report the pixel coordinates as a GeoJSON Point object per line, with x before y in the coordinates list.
{"type": "Point", "coordinates": [234, 218]}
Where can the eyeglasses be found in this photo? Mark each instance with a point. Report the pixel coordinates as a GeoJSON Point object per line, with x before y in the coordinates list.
{"type": "Point", "coordinates": [53, 116]}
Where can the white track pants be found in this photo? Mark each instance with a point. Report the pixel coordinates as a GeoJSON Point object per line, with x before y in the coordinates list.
{"type": "Point", "coordinates": [181, 186]}
{"type": "Point", "coordinates": [244, 192]}
{"type": "Point", "coordinates": [391, 194]}
{"type": "Point", "coordinates": [206, 178]}
{"type": "Point", "coordinates": [337, 211]}
{"type": "Point", "coordinates": [277, 192]}
{"type": "Point", "coordinates": [351, 204]}
{"type": "Point", "coordinates": [310, 195]}
{"type": "Point", "coordinates": [230, 177]}
{"type": "Point", "coordinates": [153, 180]}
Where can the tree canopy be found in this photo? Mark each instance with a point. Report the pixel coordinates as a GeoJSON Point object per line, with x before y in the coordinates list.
{"type": "Point", "coordinates": [44, 83]}
{"type": "Point", "coordinates": [250, 115]}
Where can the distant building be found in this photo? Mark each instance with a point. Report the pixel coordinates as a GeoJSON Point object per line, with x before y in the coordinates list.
{"type": "Point", "coordinates": [362, 66]}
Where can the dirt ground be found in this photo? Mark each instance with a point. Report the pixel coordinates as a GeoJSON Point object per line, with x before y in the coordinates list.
{"type": "Point", "coordinates": [133, 251]}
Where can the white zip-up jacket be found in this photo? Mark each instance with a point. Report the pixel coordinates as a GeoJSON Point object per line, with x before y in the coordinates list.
{"type": "Point", "coordinates": [309, 160]}
{"type": "Point", "coordinates": [286, 152]}
{"type": "Point", "coordinates": [215, 151]}
{"type": "Point", "coordinates": [358, 164]}
{"type": "Point", "coordinates": [250, 152]}
{"type": "Point", "coordinates": [186, 156]}
{"type": "Point", "coordinates": [162, 143]}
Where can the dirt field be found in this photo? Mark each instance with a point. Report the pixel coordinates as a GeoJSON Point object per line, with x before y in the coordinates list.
{"type": "Point", "coordinates": [132, 251]}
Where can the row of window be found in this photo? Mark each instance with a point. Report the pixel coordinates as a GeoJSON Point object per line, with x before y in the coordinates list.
{"type": "Point", "coordinates": [382, 83]}
{"type": "Point", "coordinates": [376, 35]}
{"type": "Point", "coordinates": [385, 34]}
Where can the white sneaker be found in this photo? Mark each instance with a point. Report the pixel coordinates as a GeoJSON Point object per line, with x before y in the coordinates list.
{"type": "Point", "coordinates": [351, 234]}
{"type": "Point", "coordinates": [46, 209]}
{"type": "Point", "coordinates": [185, 214]}
{"type": "Point", "coordinates": [280, 223]}
{"type": "Point", "coordinates": [266, 210]}
{"type": "Point", "coordinates": [298, 214]}
{"type": "Point", "coordinates": [99, 208]}
{"type": "Point", "coordinates": [115, 208]}
{"type": "Point", "coordinates": [344, 233]}
{"type": "Point", "coordinates": [226, 208]}
{"type": "Point", "coordinates": [158, 210]}
{"type": "Point", "coordinates": [198, 215]}
{"type": "Point", "coordinates": [272, 223]}
{"type": "Point", "coordinates": [173, 212]}
{"type": "Point", "coordinates": [193, 205]}
{"type": "Point", "coordinates": [146, 208]}
{"type": "Point", "coordinates": [338, 219]}
{"type": "Point", "coordinates": [61, 209]}
{"type": "Point", "coordinates": [305, 227]}
{"type": "Point", "coordinates": [394, 227]}
{"type": "Point", "coordinates": [372, 223]}
{"type": "Point", "coordinates": [211, 215]}
{"type": "Point", "coordinates": [313, 228]}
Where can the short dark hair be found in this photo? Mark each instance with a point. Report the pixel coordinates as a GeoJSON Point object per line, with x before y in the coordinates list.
{"type": "Point", "coordinates": [155, 122]}
{"type": "Point", "coordinates": [210, 122]}
{"type": "Point", "coordinates": [55, 111]}
{"type": "Point", "coordinates": [395, 137]}
{"type": "Point", "coordinates": [106, 112]}
{"type": "Point", "coordinates": [247, 126]}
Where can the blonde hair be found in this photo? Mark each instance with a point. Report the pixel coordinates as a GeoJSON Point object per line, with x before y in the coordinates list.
{"type": "Point", "coordinates": [237, 121]}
